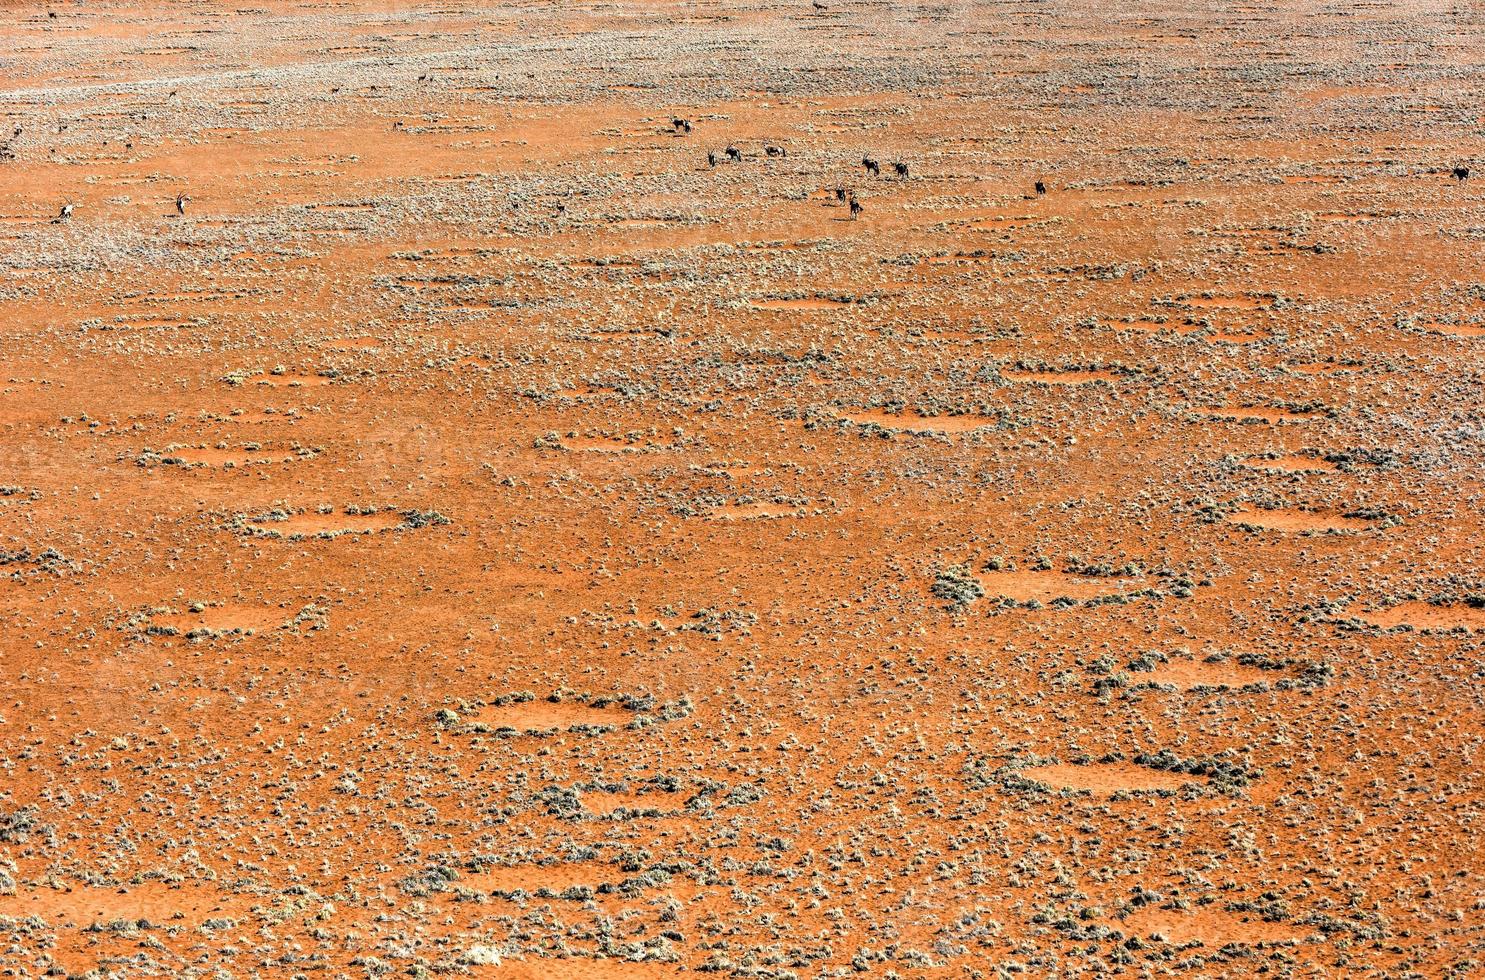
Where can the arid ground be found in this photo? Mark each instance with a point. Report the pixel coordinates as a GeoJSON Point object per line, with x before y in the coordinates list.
{"type": "Point", "coordinates": [473, 535]}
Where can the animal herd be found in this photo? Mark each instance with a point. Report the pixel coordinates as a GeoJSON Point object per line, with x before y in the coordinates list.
{"type": "Point", "coordinates": [681, 127]}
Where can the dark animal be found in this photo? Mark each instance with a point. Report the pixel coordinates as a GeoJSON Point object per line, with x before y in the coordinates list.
{"type": "Point", "coordinates": [840, 195]}
{"type": "Point", "coordinates": [856, 208]}
{"type": "Point", "coordinates": [1461, 174]}
{"type": "Point", "coordinates": [872, 167]}
{"type": "Point", "coordinates": [65, 214]}
{"type": "Point", "coordinates": [901, 169]}
{"type": "Point", "coordinates": [776, 151]}
{"type": "Point", "coordinates": [735, 154]}
{"type": "Point", "coordinates": [681, 125]}
{"type": "Point", "coordinates": [1041, 188]}
{"type": "Point", "coordinates": [181, 200]}
{"type": "Point", "coordinates": [711, 158]}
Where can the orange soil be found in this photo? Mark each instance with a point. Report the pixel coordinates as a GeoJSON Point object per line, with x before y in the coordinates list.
{"type": "Point", "coordinates": [551, 406]}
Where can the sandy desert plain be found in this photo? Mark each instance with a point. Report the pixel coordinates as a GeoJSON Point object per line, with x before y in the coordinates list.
{"type": "Point", "coordinates": [479, 537]}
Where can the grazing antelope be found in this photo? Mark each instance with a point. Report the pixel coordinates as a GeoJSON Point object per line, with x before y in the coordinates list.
{"type": "Point", "coordinates": [711, 158]}
{"type": "Point", "coordinates": [1461, 174]}
{"type": "Point", "coordinates": [681, 125]}
{"type": "Point", "coordinates": [856, 207]}
{"type": "Point", "coordinates": [181, 200]}
{"type": "Point", "coordinates": [65, 214]}
{"type": "Point", "coordinates": [735, 154]}
{"type": "Point", "coordinates": [840, 195]}
{"type": "Point", "coordinates": [776, 151]}
{"type": "Point", "coordinates": [901, 169]}
{"type": "Point", "coordinates": [1041, 188]}
{"type": "Point", "coordinates": [872, 167]}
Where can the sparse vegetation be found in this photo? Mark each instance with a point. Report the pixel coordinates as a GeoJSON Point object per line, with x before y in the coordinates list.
{"type": "Point", "coordinates": [786, 492]}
